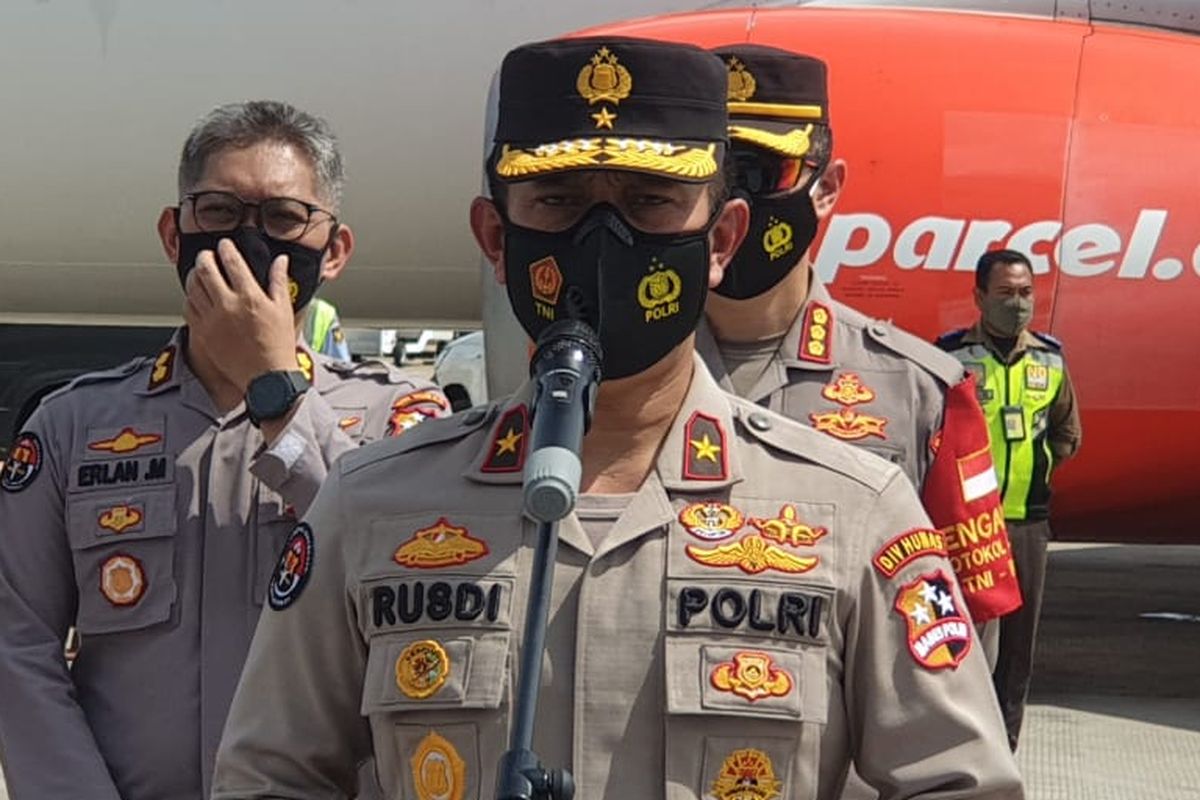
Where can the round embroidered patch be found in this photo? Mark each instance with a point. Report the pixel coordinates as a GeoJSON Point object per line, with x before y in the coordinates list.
{"type": "Point", "coordinates": [23, 463]}
{"type": "Point", "coordinates": [422, 669]}
{"type": "Point", "coordinates": [291, 573]}
{"type": "Point", "coordinates": [122, 580]}
{"type": "Point", "coordinates": [438, 771]}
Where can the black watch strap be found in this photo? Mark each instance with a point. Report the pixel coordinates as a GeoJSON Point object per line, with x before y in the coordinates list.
{"type": "Point", "coordinates": [272, 394]}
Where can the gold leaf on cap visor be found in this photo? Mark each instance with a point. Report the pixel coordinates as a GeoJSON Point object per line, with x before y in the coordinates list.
{"type": "Point", "coordinates": [663, 158]}
{"type": "Point", "coordinates": [793, 144]}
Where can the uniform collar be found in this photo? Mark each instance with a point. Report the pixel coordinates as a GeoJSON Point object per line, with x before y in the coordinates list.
{"type": "Point", "coordinates": [1025, 341]}
{"type": "Point", "coordinates": [698, 455]}
{"type": "Point", "coordinates": [808, 344]}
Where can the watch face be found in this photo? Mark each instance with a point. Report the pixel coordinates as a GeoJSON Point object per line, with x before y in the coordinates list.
{"type": "Point", "coordinates": [270, 396]}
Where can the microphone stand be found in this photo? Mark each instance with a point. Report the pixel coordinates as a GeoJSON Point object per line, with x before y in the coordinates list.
{"type": "Point", "coordinates": [566, 365]}
{"type": "Point", "coordinates": [521, 775]}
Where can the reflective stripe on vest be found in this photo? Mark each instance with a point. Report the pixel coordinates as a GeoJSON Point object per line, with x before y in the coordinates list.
{"type": "Point", "coordinates": [1032, 383]}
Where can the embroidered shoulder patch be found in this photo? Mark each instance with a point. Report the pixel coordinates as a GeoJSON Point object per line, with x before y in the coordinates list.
{"type": "Point", "coordinates": [23, 464]}
{"type": "Point", "coordinates": [907, 547]}
{"type": "Point", "coordinates": [939, 636]}
{"type": "Point", "coordinates": [292, 571]}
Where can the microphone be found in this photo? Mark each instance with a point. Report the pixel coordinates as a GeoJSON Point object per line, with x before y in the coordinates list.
{"type": "Point", "coordinates": [566, 371]}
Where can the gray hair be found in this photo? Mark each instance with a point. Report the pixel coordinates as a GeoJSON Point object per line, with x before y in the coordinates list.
{"type": "Point", "coordinates": [239, 125]}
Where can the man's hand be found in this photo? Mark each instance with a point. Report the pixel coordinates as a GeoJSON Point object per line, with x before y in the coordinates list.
{"type": "Point", "coordinates": [246, 330]}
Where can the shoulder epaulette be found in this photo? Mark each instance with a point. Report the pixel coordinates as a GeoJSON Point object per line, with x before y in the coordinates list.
{"type": "Point", "coordinates": [790, 436]}
{"type": "Point", "coordinates": [951, 340]}
{"type": "Point", "coordinates": [941, 365]}
{"type": "Point", "coordinates": [370, 368]}
{"type": "Point", "coordinates": [428, 433]}
{"type": "Point", "coordinates": [1048, 339]}
{"type": "Point", "coordinates": [116, 373]}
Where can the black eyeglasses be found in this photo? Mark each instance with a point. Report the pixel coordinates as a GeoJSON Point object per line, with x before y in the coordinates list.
{"type": "Point", "coordinates": [761, 173]}
{"type": "Point", "coordinates": [283, 218]}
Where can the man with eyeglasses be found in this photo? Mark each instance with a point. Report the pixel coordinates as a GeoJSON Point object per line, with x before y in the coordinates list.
{"type": "Point", "coordinates": [148, 505]}
{"type": "Point", "coordinates": [776, 337]}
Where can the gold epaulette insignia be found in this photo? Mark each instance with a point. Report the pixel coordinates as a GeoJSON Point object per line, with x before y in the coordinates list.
{"type": "Point", "coordinates": [164, 367]}
{"type": "Point", "coordinates": [817, 342]}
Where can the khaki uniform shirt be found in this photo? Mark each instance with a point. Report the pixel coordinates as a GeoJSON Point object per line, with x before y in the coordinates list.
{"type": "Point", "coordinates": [857, 379]}
{"type": "Point", "coordinates": [728, 638]}
{"type": "Point", "coordinates": [134, 511]}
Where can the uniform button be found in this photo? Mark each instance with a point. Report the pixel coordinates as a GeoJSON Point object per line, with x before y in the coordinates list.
{"type": "Point", "coordinates": [474, 416]}
{"type": "Point", "coordinates": [879, 329]}
{"type": "Point", "coordinates": [759, 421]}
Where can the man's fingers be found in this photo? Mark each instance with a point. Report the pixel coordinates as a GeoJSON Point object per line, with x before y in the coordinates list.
{"type": "Point", "coordinates": [277, 286]}
{"type": "Point", "coordinates": [237, 271]}
{"type": "Point", "coordinates": [204, 280]}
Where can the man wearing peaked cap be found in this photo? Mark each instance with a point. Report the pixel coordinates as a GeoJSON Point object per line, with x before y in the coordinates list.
{"type": "Point", "coordinates": [714, 630]}
{"type": "Point", "coordinates": [776, 337]}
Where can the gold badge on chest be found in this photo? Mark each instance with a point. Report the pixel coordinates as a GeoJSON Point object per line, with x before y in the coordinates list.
{"type": "Point", "coordinates": [422, 669]}
{"type": "Point", "coordinates": [438, 771]}
{"type": "Point", "coordinates": [848, 423]}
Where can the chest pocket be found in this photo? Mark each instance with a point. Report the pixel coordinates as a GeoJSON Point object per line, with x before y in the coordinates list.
{"type": "Point", "coordinates": [438, 705]}
{"type": "Point", "coordinates": [746, 686]}
{"type": "Point", "coordinates": [123, 548]}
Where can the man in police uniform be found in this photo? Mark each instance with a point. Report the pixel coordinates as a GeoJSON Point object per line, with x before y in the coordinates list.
{"type": "Point", "coordinates": [781, 651]}
{"type": "Point", "coordinates": [147, 505]}
{"type": "Point", "coordinates": [776, 337]}
{"type": "Point", "coordinates": [1033, 420]}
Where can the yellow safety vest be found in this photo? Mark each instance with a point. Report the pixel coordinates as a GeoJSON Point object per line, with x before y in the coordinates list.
{"type": "Point", "coordinates": [1016, 400]}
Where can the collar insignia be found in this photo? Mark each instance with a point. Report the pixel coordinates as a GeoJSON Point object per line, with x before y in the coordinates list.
{"type": "Point", "coordinates": [817, 342]}
{"type": "Point", "coordinates": [506, 452]}
{"type": "Point", "coordinates": [705, 457]}
{"type": "Point", "coordinates": [164, 368]}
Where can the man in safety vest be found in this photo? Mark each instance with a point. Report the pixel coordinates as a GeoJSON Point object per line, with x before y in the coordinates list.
{"type": "Point", "coordinates": [1033, 423]}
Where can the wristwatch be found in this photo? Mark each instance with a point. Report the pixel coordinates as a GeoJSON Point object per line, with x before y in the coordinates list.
{"type": "Point", "coordinates": [271, 395]}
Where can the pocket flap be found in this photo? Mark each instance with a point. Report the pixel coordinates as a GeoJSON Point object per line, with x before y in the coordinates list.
{"type": "Point", "coordinates": [94, 521]}
{"type": "Point", "coordinates": [745, 680]}
{"type": "Point", "coordinates": [414, 672]}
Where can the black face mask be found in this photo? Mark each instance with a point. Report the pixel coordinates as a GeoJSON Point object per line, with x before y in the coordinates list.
{"type": "Point", "coordinates": [642, 293]}
{"type": "Point", "coordinates": [781, 229]}
{"type": "Point", "coordinates": [259, 250]}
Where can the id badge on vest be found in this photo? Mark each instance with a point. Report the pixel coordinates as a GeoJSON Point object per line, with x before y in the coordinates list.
{"type": "Point", "coordinates": [1014, 423]}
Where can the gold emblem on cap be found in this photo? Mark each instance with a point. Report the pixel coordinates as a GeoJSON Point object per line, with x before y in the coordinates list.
{"type": "Point", "coordinates": [422, 669]}
{"type": "Point", "coordinates": [603, 80]}
{"type": "Point", "coordinates": [741, 82]}
{"type": "Point", "coordinates": [438, 771]}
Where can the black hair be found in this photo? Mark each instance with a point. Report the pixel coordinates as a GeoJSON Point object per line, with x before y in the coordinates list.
{"type": "Point", "coordinates": [983, 270]}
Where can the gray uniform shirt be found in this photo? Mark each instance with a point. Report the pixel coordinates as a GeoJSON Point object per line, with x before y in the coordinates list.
{"type": "Point", "coordinates": [727, 638]}
{"type": "Point", "coordinates": [151, 522]}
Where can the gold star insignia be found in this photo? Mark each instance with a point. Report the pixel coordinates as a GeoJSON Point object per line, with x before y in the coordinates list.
{"type": "Point", "coordinates": [604, 118]}
{"type": "Point", "coordinates": [706, 449]}
{"type": "Point", "coordinates": [508, 443]}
